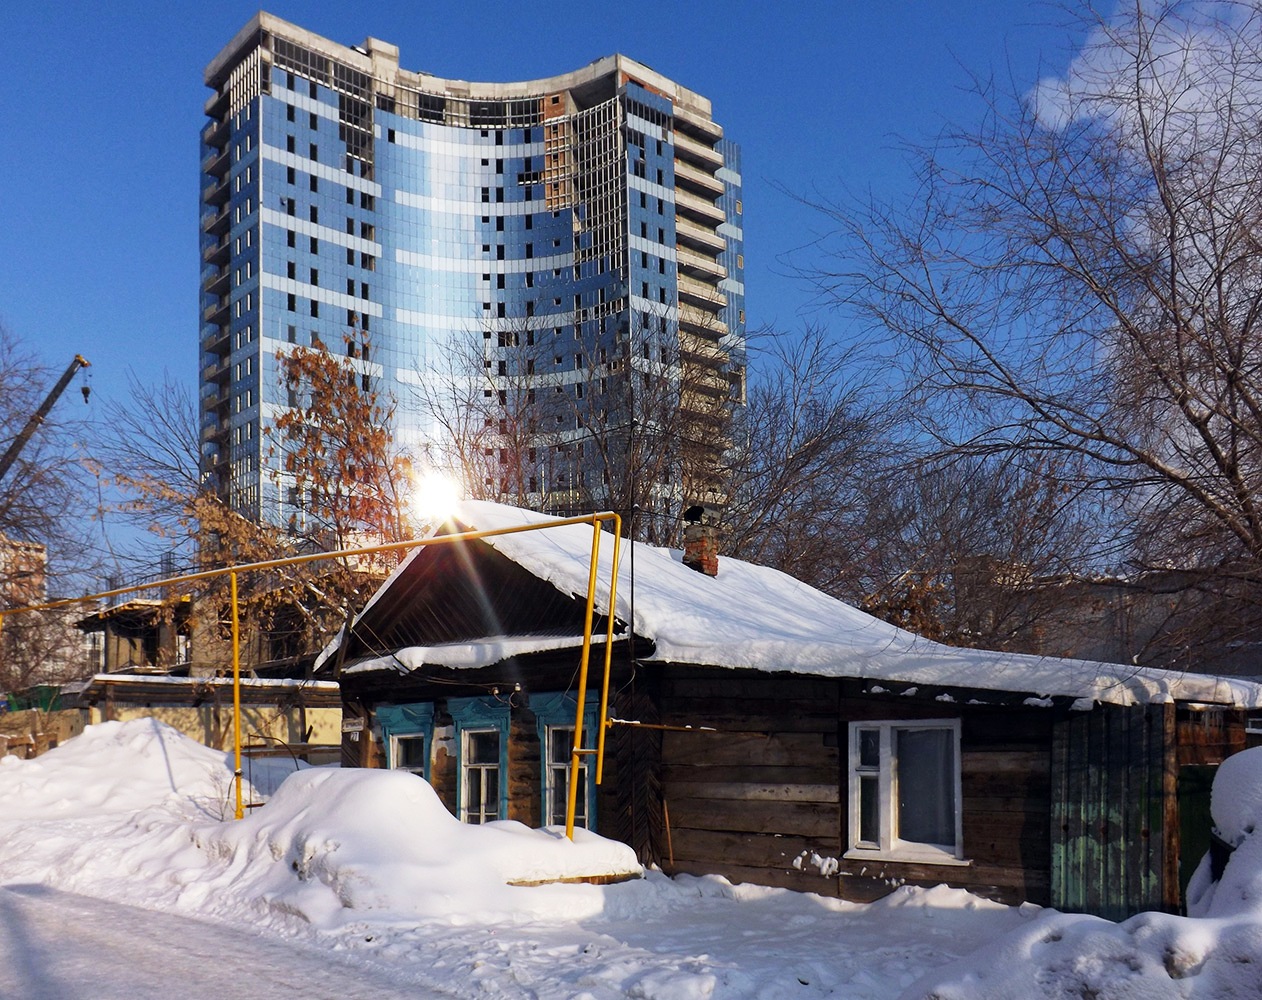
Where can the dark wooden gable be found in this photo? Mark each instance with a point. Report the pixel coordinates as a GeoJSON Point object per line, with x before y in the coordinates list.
{"type": "Point", "coordinates": [461, 592]}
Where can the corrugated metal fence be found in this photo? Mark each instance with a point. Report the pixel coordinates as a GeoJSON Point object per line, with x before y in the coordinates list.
{"type": "Point", "coordinates": [1113, 784]}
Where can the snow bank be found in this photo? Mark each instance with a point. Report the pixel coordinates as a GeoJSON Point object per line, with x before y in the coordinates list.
{"type": "Point", "coordinates": [330, 845]}
{"type": "Point", "coordinates": [333, 841]}
{"type": "Point", "coordinates": [1236, 807]}
{"type": "Point", "coordinates": [118, 767]}
{"type": "Point", "coordinates": [1236, 799]}
{"type": "Point", "coordinates": [1216, 952]}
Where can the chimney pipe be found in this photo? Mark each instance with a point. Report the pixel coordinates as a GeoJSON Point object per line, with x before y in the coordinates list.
{"type": "Point", "coordinates": [701, 546]}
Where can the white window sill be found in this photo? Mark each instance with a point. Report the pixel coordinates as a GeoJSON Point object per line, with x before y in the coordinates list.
{"type": "Point", "coordinates": [909, 855]}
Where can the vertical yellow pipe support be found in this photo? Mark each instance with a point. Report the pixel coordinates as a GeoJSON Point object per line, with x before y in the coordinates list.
{"type": "Point", "coordinates": [603, 722]}
{"type": "Point", "coordinates": [236, 694]}
{"type": "Point", "coordinates": [576, 752]}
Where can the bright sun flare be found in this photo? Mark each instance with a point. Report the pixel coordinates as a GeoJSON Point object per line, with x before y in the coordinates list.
{"type": "Point", "coordinates": [435, 496]}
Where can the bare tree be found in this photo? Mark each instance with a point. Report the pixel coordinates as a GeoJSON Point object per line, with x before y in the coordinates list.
{"type": "Point", "coordinates": [808, 449]}
{"type": "Point", "coordinates": [498, 420]}
{"type": "Point", "coordinates": [46, 528]}
{"type": "Point", "coordinates": [151, 457]}
{"type": "Point", "coordinates": [347, 487]}
{"type": "Point", "coordinates": [633, 423]}
{"type": "Point", "coordinates": [1077, 286]}
{"type": "Point", "coordinates": [973, 551]}
{"type": "Point", "coordinates": [350, 482]}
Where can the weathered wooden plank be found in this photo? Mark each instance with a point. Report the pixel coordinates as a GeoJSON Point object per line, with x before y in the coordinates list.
{"type": "Point", "coordinates": [1013, 785]}
{"type": "Point", "coordinates": [772, 703]}
{"type": "Point", "coordinates": [752, 791]}
{"type": "Point", "coordinates": [1035, 807]}
{"type": "Point", "coordinates": [1117, 824]}
{"type": "Point", "coordinates": [1136, 799]}
{"type": "Point", "coordinates": [1007, 838]}
{"type": "Point", "coordinates": [1167, 888]}
{"type": "Point", "coordinates": [1094, 868]}
{"type": "Point", "coordinates": [751, 850]}
{"type": "Point", "coordinates": [1076, 768]}
{"type": "Point", "coordinates": [739, 748]}
{"type": "Point", "coordinates": [896, 708]}
{"type": "Point", "coordinates": [769, 861]}
{"type": "Point", "coordinates": [780, 878]}
{"type": "Point", "coordinates": [807, 774]}
{"type": "Point", "coordinates": [1006, 883]}
{"type": "Point", "coordinates": [1001, 729]}
{"type": "Point", "coordinates": [1025, 762]}
{"type": "Point", "coordinates": [791, 818]}
{"type": "Point", "coordinates": [1208, 736]}
{"type": "Point", "coordinates": [1032, 787]}
{"type": "Point", "coordinates": [771, 717]}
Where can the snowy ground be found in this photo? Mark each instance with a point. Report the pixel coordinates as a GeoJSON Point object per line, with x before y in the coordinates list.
{"type": "Point", "coordinates": [360, 884]}
{"type": "Point", "coordinates": [60, 946]}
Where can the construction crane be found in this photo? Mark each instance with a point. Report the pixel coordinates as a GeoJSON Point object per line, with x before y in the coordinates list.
{"type": "Point", "coordinates": [32, 425]}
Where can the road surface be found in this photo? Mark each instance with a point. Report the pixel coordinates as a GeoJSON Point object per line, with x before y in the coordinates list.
{"type": "Point", "coordinates": [60, 946]}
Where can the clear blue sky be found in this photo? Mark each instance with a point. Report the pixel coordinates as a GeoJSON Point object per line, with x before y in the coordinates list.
{"type": "Point", "coordinates": [100, 105]}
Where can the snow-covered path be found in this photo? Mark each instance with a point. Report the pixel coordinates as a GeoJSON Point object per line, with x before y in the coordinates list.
{"type": "Point", "coordinates": [60, 946]}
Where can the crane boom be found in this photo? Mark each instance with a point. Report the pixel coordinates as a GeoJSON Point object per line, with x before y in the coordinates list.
{"type": "Point", "coordinates": [19, 442]}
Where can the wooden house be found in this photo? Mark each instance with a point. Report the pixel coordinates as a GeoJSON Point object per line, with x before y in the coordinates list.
{"type": "Point", "coordinates": [766, 732]}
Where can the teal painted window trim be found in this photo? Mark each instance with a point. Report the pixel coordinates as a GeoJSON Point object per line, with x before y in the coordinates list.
{"type": "Point", "coordinates": [560, 709]}
{"type": "Point", "coordinates": [476, 714]}
{"type": "Point", "coordinates": [406, 720]}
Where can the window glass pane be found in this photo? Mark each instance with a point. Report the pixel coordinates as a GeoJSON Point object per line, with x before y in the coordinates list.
{"type": "Point", "coordinates": [410, 753]}
{"type": "Point", "coordinates": [869, 811]}
{"type": "Point", "coordinates": [481, 761]}
{"type": "Point", "coordinates": [484, 747]}
{"type": "Point", "coordinates": [475, 799]}
{"type": "Point", "coordinates": [560, 789]}
{"type": "Point", "coordinates": [869, 747]}
{"type": "Point", "coordinates": [926, 786]}
{"type": "Point", "coordinates": [561, 742]}
{"type": "Point", "coordinates": [492, 792]}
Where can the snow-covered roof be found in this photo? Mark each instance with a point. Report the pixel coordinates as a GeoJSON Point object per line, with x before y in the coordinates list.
{"type": "Point", "coordinates": [752, 617]}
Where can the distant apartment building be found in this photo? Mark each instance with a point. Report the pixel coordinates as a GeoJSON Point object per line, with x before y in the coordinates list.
{"type": "Point", "coordinates": [547, 253]}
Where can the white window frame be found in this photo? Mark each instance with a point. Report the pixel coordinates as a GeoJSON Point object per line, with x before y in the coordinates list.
{"type": "Point", "coordinates": [468, 769]}
{"type": "Point", "coordinates": [553, 811]}
{"type": "Point", "coordinates": [396, 758]}
{"type": "Point", "coordinates": [889, 846]}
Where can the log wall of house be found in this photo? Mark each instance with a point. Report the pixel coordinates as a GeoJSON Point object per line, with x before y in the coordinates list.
{"type": "Point", "coordinates": [629, 798]}
{"type": "Point", "coordinates": [757, 789]}
{"type": "Point", "coordinates": [746, 775]}
{"type": "Point", "coordinates": [1209, 735]}
{"type": "Point", "coordinates": [525, 769]}
{"type": "Point", "coordinates": [1005, 762]}
{"type": "Point", "coordinates": [763, 797]}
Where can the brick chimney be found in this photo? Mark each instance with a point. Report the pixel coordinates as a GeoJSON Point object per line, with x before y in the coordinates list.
{"type": "Point", "coordinates": [701, 546]}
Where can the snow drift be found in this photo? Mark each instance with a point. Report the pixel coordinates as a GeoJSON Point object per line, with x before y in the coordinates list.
{"type": "Point", "coordinates": [333, 841]}
{"type": "Point", "coordinates": [1216, 952]}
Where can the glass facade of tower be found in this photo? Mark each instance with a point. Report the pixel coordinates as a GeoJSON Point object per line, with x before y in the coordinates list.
{"type": "Point", "coordinates": [570, 244]}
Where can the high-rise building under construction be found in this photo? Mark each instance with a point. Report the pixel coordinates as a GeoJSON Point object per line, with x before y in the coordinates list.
{"type": "Point", "coordinates": [553, 258]}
